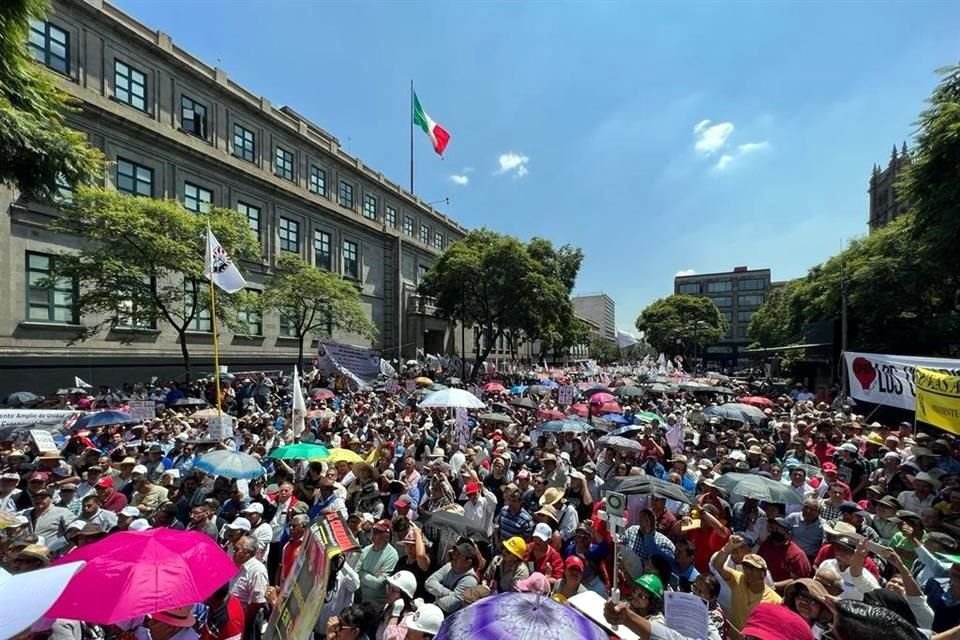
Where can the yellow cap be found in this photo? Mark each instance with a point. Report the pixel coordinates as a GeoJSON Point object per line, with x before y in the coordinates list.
{"type": "Point", "coordinates": [516, 546]}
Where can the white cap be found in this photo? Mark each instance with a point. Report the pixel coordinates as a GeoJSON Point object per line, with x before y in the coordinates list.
{"type": "Point", "coordinates": [130, 512]}
{"type": "Point", "coordinates": [849, 446]}
{"type": "Point", "coordinates": [428, 618]}
{"type": "Point", "coordinates": [253, 507]}
{"type": "Point", "coordinates": [139, 525]}
{"type": "Point", "coordinates": [542, 531]}
{"type": "Point", "coordinates": [182, 436]}
{"type": "Point", "coordinates": [140, 469]}
{"type": "Point", "coordinates": [241, 524]}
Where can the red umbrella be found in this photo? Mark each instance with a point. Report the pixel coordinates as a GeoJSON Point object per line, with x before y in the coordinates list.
{"type": "Point", "coordinates": [757, 401]}
{"type": "Point", "coordinates": [581, 410]}
{"type": "Point", "coordinates": [135, 573]}
{"type": "Point", "coordinates": [601, 398]}
{"type": "Point", "coordinates": [493, 387]}
{"type": "Point", "coordinates": [610, 407]}
{"type": "Point", "coordinates": [550, 414]}
{"type": "Point", "coordinates": [322, 394]}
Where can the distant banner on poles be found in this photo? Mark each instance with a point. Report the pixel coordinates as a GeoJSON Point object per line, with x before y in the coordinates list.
{"type": "Point", "coordinates": [890, 380]}
{"type": "Point", "coordinates": [938, 398]}
{"type": "Point", "coordinates": [360, 364]}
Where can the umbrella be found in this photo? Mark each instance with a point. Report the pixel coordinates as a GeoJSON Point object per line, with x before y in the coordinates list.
{"type": "Point", "coordinates": [601, 397]}
{"type": "Point", "coordinates": [453, 381]}
{"type": "Point", "coordinates": [616, 418]}
{"type": "Point", "coordinates": [321, 413]}
{"type": "Point", "coordinates": [550, 384]}
{"type": "Point", "coordinates": [648, 416]}
{"type": "Point", "coordinates": [189, 402]}
{"type": "Point", "coordinates": [493, 387]}
{"type": "Point", "coordinates": [610, 407]}
{"type": "Point", "coordinates": [518, 389]}
{"type": "Point", "coordinates": [230, 464]}
{"type": "Point", "coordinates": [564, 426]}
{"type": "Point", "coordinates": [525, 403]}
{"type": "Point", "coordinates": [502, 418]}
{"type": "Point", "coordinates": [620, 443]}
{"type": "Point", "coordinates": [102, 419]}
{"type": "Point", "coordinates": [627, 431]}
{"type": "Point", "coordinates": [629, 391]}
{"type": "Point", "coordinates": [134, 573]}
{"type": "Point", "coordinates": [302, 451]}
{"type": "Point", "coordinates": [540, 390]}
{"type": "Point", "coordinates": [321, 394]}
{"type": "Point", "coordinates": [71, 391]}
{"type": "Point", "coordinates": [750, 485]}
{"type": "Point", "coordinates": [454, 522]}
{"type": "Point", "coordinates": [589, 393]}
{"type": "Point", "coordinates": [42, 588]}
{"type": "Point", "coordinates": [436, 386]}
{"type": "Point", "coordinates": [550, 414]}
{"type": "Point", "coordinates": [695, 386]}
{"type": "Point", "coordinates": [647, 486]}
{"type": "Point", "coordinates": [452, 398]}
{"type": "Point", "coordinates": [519, 616]}
{"type": "Point", "coordinates": [581, 410]}
{"type": "Point", "coordinates": [343, 455]}
{"type": "Point", "coordinates": [756, 401]}
{"type": "Point", "coordinates": [723, 391]}
{"type": "Point", "coordinates": [660, 387]}
{"type": "Point", "coordinates": [736, 412]}
{"type": "Point", "coordinates": [23, 399]}
{"type": "Point", "coordinates": [204, 414]}
{"type": "Point", "coordinates": [423, 381]}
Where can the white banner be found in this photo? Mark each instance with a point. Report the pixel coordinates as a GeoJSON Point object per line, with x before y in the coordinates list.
{"type": "Point", "coordinates": [462, 426]}
{"type": "Point", "coordinates": [220, 427]}
{"type": "Point", "coordinates": [23, 417]}
{"type": "Point", "coordinates": [360, 364]}
{"type": "Point", "coordinates": [141, 410]}
{"type": "Point", "coordinates": [888, 380]}
{"type": "Point", "coordinates": [43, 440]}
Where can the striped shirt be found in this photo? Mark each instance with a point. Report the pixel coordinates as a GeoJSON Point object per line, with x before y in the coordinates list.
{"type": "Point", "coordinates": [518, 524]}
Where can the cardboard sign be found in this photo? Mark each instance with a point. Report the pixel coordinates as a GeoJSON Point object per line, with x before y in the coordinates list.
{"type": "Point", "coordinates": [221, 427]}
{"type": "Point", "coordinates": [392, 386]}
{"type": "Point", "coordinates": [566, 394]}
{"type": "Point", "coordinates": [410, 386]}
{"type": "Point", "coordinates": [43, 440]}
{"type": "Point", "coordinates": [686, 613]}
{"type": "Point", "coordinates": [141, 410]}
{"type": "Point", "coordinates": [462, 426]}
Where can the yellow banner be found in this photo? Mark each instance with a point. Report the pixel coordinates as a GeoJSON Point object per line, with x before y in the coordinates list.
{"type": "Point", "coordinates": [938, 399]}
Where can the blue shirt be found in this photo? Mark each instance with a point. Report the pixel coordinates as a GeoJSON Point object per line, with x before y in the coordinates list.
{"type": "Point", "coordinates": [519, 524]}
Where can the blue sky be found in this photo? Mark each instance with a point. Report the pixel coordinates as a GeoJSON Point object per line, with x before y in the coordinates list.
{"type": "Point", "coordinates": [657, 136]}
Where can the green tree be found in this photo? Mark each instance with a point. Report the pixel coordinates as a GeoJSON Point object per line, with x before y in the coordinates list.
{"type": "Point", "coordinates": [694, 320]}
{"type": "Point", "coordinates": [603, 351]}
{"type": "Point", "coordinates": [311, 299]}
{"type": "Point", "coordinates": [500, 285]}
{"type": "Point", "coordinates": [144, 259]}
{"type": "Point", "coordinates": [36, 146]}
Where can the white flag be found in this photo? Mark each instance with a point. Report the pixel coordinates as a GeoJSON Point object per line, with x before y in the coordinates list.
{"type": "Point", "coordinates": [299, 405]}
{"type": "Point", "coordinates": [77, 382]}
{"type": "Point", "coordinates": [220, 268]}
{"type": "Point", "coordinates": [625, 339]}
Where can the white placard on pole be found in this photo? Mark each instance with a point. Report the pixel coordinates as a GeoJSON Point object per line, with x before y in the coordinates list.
{"type": "Point", "coordinates": [43, 440]}
{"type": "Point", "coordinates": [220, 427]}
{"type": "Point", "coordinates": [565, 395]}
{"type": "Point", "coordinates": [462, 427]}
{"type": "Point", "coordinates": [391, 386]}
{"type": "Point", "coordinates": [141, 410]}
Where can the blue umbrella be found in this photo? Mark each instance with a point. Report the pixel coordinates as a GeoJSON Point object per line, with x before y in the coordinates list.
{"type": "Point", "coordinates": [564, 426]}
{"type": "Point", "coordinates": [616, 418]}
{"type": "Point", "coordinates": [518, 390]}
{"type": "Point", "coordinates": [553, 384]}
{"type": "Point", "coordinates": [102, 419]}
{"type": "Point", "coordinates": [519, 616]}
{"type": "Point", "coordinates": [230, 464]}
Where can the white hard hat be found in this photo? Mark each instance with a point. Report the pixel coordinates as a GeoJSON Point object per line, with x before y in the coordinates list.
{"type": "Point", "coordinates": [428, 618]}
{"type": "Point", "coordinates": [403, 581]}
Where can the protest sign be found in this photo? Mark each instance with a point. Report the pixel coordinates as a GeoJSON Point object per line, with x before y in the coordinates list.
{"type": "Point", "coordinates": [565, 395]}
{"type": "Point", "coordinates": [43, 440]}
{"type": "Point", "coordinates": [938, 399]}
{"type": "Point", "coordinates": [23, 417]}
{"type": "Point", "coordinates": [141, 410]}
{"type": "Point", "coordinates": [221, 427]}
{"type": "Point", "coordinates": [462, 427]}
{"type": "Point", "coordinates": [410, 385]}
{"type": "Point", "coordinates": [392, 386]}
{"type": "Point", "coordinates": [686, 614]}
{"type": "Point", "coordinates": [360, 364]}
{"type": "Point", "coordinates": [889, 380]}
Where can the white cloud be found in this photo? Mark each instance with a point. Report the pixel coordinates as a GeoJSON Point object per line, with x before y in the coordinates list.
{"type": "Point", "coordinates": [723, 162]}
{"type": "Point", "coordinates": [461, 180]}
{"type": "Point", "coordinates": [511, 162]}
{"type": "Point", "coordinates": [751, 147]}
{"type": "Point", "coordinates": [742, 150]}
{"type": "Point", "coordinates": [685, 272]}
{"type": "Point", "coordinates": [710, 138]}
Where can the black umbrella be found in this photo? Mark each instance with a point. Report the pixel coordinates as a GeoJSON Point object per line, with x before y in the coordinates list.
{"type": "Point", "coordinates": [23, 399]}
{"type": "Point", "coordinates": [594, 390]}
{"type": "Point", "coordinates": [526, 403]}
{"type": "Point", "coordinates": [539, 390]}
{"type": "Point", "coordinates": [496, 417]}
{"type": "Point", "coordinates": [455, 522]}
{"type": "Point", "coordinates": [629, 391]}
{"type": "Point", "coordinates": [189, 402]}
{"type": "Point", "coordinates": [647, 486]}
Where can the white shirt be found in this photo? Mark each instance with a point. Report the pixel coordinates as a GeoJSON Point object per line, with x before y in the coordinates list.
{"type": "Point", "coordinates": [263, 533]}
{"type": "Point", "coordinates": [477, 513]}
{"type": "Point", "coordinates": [250, 585]}
{"type": "Point", "coordinates": [911, 502]}
{"type": "Point", "coordinates": [853, 588]}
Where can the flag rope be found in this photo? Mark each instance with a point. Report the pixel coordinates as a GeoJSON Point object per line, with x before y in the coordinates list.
{"type": "Point", "coordinates": [213, 326]}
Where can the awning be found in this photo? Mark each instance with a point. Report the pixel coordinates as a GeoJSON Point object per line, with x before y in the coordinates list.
{"type": "Point", "coordinates": [789, 347]}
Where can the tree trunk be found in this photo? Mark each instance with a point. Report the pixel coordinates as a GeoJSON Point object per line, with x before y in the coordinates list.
{"type": "Point", "coordinates": [300, 353]}
{"type": "Point", "coordinates": [478, 362]}
{"type": "Point", "coordinates": [185, 352]}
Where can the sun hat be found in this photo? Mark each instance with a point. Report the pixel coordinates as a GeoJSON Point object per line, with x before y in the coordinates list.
{"type": "Point", "coordinates": [180, 617]}
{"type": "Point", "coordinates": [516, 546]}
{"type": "Point", "coordinates": [551, 496]}
{"type": "Point", "coordinates": [769, 621]}
{"type": "Point", "coordinates": [923, 476]}
{"type": "Point", "coordinates": [536, 582]}
{"type": "Point", "coordinates": [428, 618]}
{"type": "Point", "coordinates": [35, 552]}
{"type": "Point", "coordinates": [403, 581]}
{"type": "Point", "coordinates": [549, 511]}
{"type": "Point", "coordinates": [139, 469]}
{"type": "Point", "coordinates": [754, 560]}
{"type": "Point", "coordinates": [651, 584]}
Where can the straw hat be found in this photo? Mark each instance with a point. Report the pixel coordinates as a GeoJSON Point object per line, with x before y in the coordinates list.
{"type": "Point", "coordinates": [181, 617]}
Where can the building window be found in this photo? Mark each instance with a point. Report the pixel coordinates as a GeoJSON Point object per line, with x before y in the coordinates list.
{"type": "Point", "coordinates": [193, 117]}
{"type": "Point", "coordinates": [346, 195]}
{"type": "Point", "coordinates": [727, 315]}
{"type": "Point", "coordinates": [424, 234]}
{"type": "Point", "coordinates": [438, 240]}
{"type": "Point", "coordinates": [244, 143]}
{"type": "Point", "coordinates": [723, 301]}
{"type": "Point", "coordinates": [742, 331]}
{"type": "Point", "coordinates": [689, 288]}
{"type": "Point", "coordinates": [751, 284]}
{"type": "Point", "coordinates": [283, 164]}
{"type": "Point", "coordinates": [369, 206]}
{"type": "Point", "coordinates": [130, 315]}
{"type": "Point", "coordinates": [129, 85]}
{"type": "Point", "coordinates": [719, 287]}
{"type": "Point", "coordinates": [351, 261]}
{"type": "Point", "coordinates": [50, 45]}
{"type": "Point", "coordinates": [318, 181]}
{"type": "Point", "coordinates": [421, 272]}
{"type": "Point", "coordinates": [408, 226]}
{"type": "Point", "coordinates": [134, 179]}
{"type": "Point", "coordinates": [390, 217]}
{"type": "Point", "coordinates": [196, 198]}
{"type": "Point", "coordinates": [250, 316]}
{"type": "Point", "coordinates": [49, 303]}
{"type": "Point", "coordinates": [253, 215]}
{"type": "Point", "coordinates": [193, 304]}
{"type": "Point", "coordinates": [745, 316]}
{"type": "Point", "coordinates": [750, 300]}
{"type": "Point", "coordinates": [289, 232]}
{"type": "Point", "coordinates": [322, 254]}
{"type": "Point", "coordinates": [64, 194]}
{"type": "Point", "coordinates": [288, 328]}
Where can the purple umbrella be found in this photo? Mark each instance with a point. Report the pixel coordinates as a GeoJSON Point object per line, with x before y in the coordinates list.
{"type": "Point", "coordinates": [519, 616]}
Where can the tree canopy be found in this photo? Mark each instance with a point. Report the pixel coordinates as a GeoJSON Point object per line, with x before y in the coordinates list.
{"type": "Point", "coordinates": [144, 259]}
{"type": "Point", "coordinates": [504, 286]}
{"type": "Point", "coordinates": [312, 300]}
{"type": "Point", "coordinates": [694, 320]}
{"type": "Point", "coordinates": [36, 147]}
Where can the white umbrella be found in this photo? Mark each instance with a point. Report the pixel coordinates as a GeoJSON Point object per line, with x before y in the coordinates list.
{"type": "Point", "coordinates": [42, 588]}
{"type": "Point", "coordinates": [453, 398]}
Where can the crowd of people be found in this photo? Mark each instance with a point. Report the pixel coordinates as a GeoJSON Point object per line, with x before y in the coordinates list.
{"type": "Point", "coordinates": [846, 528]}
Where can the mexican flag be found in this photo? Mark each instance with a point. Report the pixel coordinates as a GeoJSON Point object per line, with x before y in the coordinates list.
{"type": "Point", "coordinates": [437, 134]}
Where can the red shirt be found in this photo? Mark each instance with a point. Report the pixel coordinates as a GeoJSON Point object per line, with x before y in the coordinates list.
{"type": "Point", "coordinates": [290, 552]}
{"type": "Point", "coordinates": [225, 623]}
{"type": "Point", "coordinates": [708, 541]}
{"type": "Point", "coordinates": [785, 561]}
{"type": "Point", "coordinates": [115, 502]}
{"type": "Point", "coordinates": [550, 565]}
{"type": "Point", "coordinates": [826, 553]}
{"type": "Point", "coordinates": [824, 452]}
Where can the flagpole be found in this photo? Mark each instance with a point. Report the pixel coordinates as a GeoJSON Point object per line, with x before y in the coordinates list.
{"type": "Point", "coordinates": [213, 325]}
{"type": "Point", "coordinates": [411, 136]}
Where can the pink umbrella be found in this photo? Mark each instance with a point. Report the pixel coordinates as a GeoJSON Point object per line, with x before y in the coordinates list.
{"type": "Point", "coordinates": [611, 407]}
{"type": "Point", "coordinates": [601, 398]}
{"type": "Point", "coordinates": [134, 573]}
{"type": "Point", "coordinates": [322, 394]}
{"type": "Point", "coordinates": [581, 410]}
{"type": "Point", "coordinates": [493, 387]}
{"type": "Point", "coordinates": [549, 414]}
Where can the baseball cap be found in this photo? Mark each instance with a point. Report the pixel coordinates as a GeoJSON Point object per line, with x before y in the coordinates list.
{"type": "Point", "coordinates": [769, 621]}
{"type": "Point", "coordinates": [38, 476]}
{"type": "Point", "coordinates": [10, 476]}
{"type": "Point", "coordinates": [106, 482]}
{"type": "Point", "coordinates": [849, 446]}
{"type": "Point", "coordinates": [465, 548]}
{"type": "Point", "coordinates": [240, 524]}
{"type": "Point", "coordinates": [573, 561]}
{"type": "Point", "coordinates": [828, 467]}
{"type": "Point", "coordinates": [402, 501]}
{"type": "Point", "coordinates": [129, 512]}
{"type": "Point", "coordinates": [383, 525]}
{"type": "Point", "coordinates": [139, 469]}
{"type": "Point", "coordinates": [755, 560]}
{"type": "Point", "coordinates": [253, 507]}
{"type": "Point", "coordinates": [472, 488]}
{"type": "Point", "coordinates": [542, 531]}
